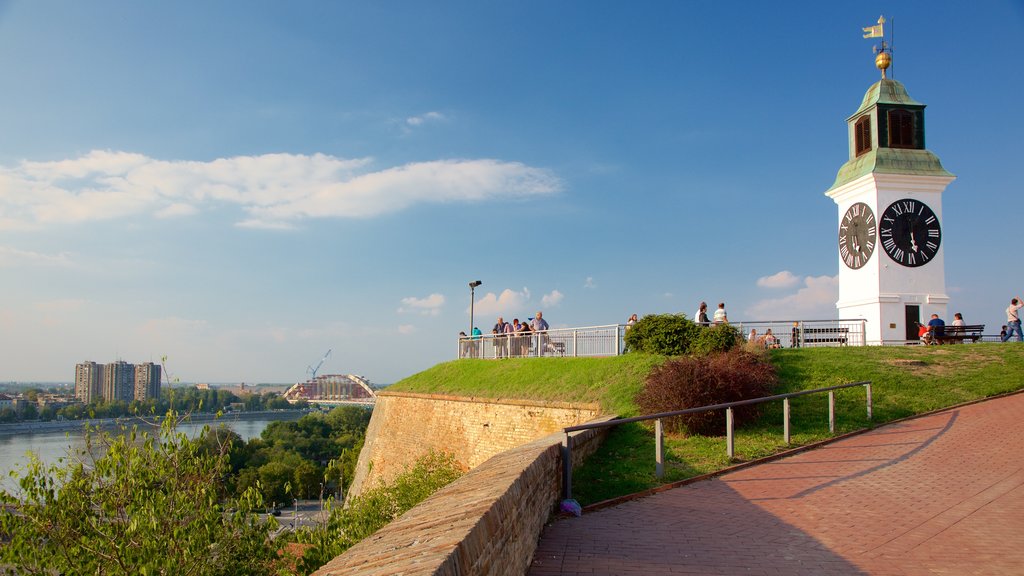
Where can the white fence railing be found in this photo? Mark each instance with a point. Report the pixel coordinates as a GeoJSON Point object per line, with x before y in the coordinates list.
{"type": "Point", "coordinates": [807, 333]}
{"type": "Point", "coordinates": [586, 341]}
{"type": "Point", "coordinates": [608, 340]}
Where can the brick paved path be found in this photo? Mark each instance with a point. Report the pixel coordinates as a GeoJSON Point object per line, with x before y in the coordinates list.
{"type": "Point", "coordinates": [941, 494]}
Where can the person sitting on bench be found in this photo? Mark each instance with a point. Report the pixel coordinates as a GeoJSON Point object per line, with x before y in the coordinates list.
{"type": "Point", "coordinates": [937, 327]}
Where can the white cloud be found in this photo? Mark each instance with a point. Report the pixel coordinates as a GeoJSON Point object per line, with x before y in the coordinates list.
{"type": "Point", "coordinates": [423, 118]}
{"type": "Point", "coordinates": [508, 302]}
{"type": "Point", "coordinates": [273, 190]}
{"type": "Point", "coordinates": [429, 306]}
{"type": "Point", "coordinates": [816, 300]}
{"type": "Point", "coordinates": [589, 282]}
{"type": "Point", "coordinates": [176, 210]}
{"type": "Point", "coordinates": [552, 299]}
{"type": "Point", "coordinates": [10, 257]}
{"type": "Point", "coordinates": [406, 329]}
{"type": "Point", "coordinates": [784, 279]}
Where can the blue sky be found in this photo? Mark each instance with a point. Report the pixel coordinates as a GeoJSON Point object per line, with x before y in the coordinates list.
{"type": "Point", "coordinates": [243, 186]}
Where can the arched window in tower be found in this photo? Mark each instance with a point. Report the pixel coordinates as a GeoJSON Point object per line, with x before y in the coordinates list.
{"type": "Point", "coordinates": [862, 134]}
{"type": "Point", "coordinates": [901, 129]}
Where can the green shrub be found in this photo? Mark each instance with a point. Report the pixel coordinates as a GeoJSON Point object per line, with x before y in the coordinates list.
{"type": "Point", "coordinates": [693, 381]}
{"type": "Point", "coordinates": [665, 334]}
{"type": "Point", "coordinates": [715, 339]}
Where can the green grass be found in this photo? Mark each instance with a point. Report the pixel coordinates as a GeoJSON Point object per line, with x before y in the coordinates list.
{"type": "Point", "coordinates": [906, 381]}
{"type": "Point", "coordinates": [610, 382]}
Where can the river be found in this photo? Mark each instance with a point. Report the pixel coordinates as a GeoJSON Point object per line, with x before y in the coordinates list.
{"type": "Point", "coordinates": [50, 446]}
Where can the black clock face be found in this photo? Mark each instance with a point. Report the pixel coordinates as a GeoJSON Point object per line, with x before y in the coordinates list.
{"type": "Point", "coordinates": [857, 235]}
{"type": "Point", "coordinates": [909, 232]}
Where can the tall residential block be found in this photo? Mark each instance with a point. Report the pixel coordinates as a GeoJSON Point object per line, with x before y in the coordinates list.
{"type": "Point", "coordinates": [147, 381]}
{"type": "Point", "coordinates": [118, 381]}
{"type": "Point", "coordinates": [88, 377]}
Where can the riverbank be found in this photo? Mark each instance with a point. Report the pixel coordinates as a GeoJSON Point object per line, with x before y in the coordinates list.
{"type": "Point", "coordinates": [36, 427]}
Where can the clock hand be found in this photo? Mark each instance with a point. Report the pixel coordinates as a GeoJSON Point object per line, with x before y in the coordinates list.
{"type": "Point", "coordinates": [913, 245]}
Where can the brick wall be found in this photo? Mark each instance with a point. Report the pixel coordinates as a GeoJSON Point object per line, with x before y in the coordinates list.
{"type": "Point", "coordinates": [405, 426]}
{"type": "Point", "coordinates": [486, 523]}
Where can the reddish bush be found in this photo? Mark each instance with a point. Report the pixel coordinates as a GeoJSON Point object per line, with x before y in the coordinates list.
{"type": "Point", "coordinates": [694, 381]}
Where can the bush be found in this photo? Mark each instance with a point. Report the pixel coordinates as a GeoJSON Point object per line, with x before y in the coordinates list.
{"type": "Point", "coordinates": [665, 334]}
{"type": "Point", "coordinates": [695, 381]}
{"type": "Point", "coordinates": [715, 339]}
{"type": "Point", "coordinates": [131, 503]}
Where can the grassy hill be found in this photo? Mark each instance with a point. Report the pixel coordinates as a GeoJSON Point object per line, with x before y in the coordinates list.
{"type": "Point", "coordinates": [906, 381]}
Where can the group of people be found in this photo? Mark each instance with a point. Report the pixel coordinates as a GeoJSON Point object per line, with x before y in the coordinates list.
{"type": "Point", "coordinates": [511, 339]}
{"type": "Point", "coordinates": [767, 340]}
{"type": "Point", "coordinates": [719, 317]}
{"type": "Point", "coordinates": [935, 330]}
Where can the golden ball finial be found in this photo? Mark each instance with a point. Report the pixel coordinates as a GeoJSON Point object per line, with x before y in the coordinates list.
{"type": "Point", "coordinates": [883, 60]}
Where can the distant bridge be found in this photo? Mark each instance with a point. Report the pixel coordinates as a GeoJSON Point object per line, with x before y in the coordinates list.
{"type": "Point", "coordinates": [333, 389]}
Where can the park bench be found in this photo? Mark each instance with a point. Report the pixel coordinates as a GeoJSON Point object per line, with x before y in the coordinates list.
{"type": "Point", "coordinates": [957, 334]}
{"type": "Point", "coordinates": [834, 335]}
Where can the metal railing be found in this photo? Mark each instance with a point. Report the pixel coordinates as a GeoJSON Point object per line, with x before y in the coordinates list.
{"type": "Point", "coordinates": [730, 447]}
{"type": "Point", "coordinates": [571, 342]}
{"type": "Point", "coordinates": [808, 333]}
{"type": "Point", "coordinates": [608, 340]}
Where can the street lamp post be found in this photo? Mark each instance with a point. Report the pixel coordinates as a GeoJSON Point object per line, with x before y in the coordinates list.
{"type": "Point", "coordinates": [472, 299]}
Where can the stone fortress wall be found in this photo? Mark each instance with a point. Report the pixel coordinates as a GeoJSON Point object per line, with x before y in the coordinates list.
{"type": "Point", "coordinates": [486, 523]}
{"type": "Point", "coordinates": [406, 426]}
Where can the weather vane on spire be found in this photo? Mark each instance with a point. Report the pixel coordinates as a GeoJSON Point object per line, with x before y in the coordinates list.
{"type": "Point", "coordinates": [883, 58]}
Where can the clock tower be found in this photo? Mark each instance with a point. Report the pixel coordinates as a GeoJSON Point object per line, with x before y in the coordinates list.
{"type": "Point", "coordinates": [889, 198]}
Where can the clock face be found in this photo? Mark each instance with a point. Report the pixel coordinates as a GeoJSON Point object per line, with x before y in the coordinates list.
{"type": "Point", "coordinates": [909, 232]}
{"type": "Point", "coordinates": [857, 235]}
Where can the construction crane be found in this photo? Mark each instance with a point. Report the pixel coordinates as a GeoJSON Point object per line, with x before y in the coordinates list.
{"type": "Point", "coordinates": [312, 371]}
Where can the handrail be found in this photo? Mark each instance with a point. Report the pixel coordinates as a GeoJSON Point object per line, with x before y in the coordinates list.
{"type": "Point", "coordinates": [728, 406]}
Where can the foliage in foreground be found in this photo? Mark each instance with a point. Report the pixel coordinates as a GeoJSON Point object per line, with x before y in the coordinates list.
{"type": "Point", "coordinates": [375, 508]}
{"type": "Point", "coordinates": [693, 381]}
{"type": "Point", "coordinates": [134, 504]}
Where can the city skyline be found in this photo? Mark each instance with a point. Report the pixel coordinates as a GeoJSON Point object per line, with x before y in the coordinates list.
{"type": "Point", "coordinates": [241, 188]}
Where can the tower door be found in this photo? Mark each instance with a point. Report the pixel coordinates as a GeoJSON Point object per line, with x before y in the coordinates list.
{"type": "Point", "coordinates": [913, 318]}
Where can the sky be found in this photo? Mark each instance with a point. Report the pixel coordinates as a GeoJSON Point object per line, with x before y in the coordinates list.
{"type": "Point", "coordinates": [242, 186]}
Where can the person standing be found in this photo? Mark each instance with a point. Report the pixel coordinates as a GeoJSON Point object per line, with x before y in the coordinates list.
{"type": "Point", "coordinates": [701, 317]}
{"type": "Point", "coordinates": [540, 326]}
{"type": "Point", "coordinates": [631, 321]}
{"type": "Point", "coordinates": [524, 339]}
{"type": "Point", "coordinates": [1013, 320]}
{"type": "Point", "coordinates": [500, 339]}
{"type": "Point", "coordinates": [721, 317]}
{"type": "Point", "coordinates": [474, 347]}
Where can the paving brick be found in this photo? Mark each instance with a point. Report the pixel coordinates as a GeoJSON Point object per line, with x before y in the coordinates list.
{"type": "Point", "coordinates": [939, 494]}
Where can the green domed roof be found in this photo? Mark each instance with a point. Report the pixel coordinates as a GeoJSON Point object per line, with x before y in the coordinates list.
{"type": "Point", "coordinates": [886, 94]}
{"type": "Point", "coordinates": [885, 91]}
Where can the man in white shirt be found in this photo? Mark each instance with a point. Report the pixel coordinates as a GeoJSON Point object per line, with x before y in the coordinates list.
{"type": "Point", "coordinates": [720, 316]}
{"type": "Point", "coordinates": [1013, 320]}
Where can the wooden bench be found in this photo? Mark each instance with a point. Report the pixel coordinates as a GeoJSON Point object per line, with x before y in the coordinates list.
{"type": "Point", "coordinates": [957, 334]}
{"type": "Point", "coordinates": [835, 335]}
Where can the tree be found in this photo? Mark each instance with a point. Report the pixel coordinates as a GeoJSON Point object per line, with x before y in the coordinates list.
{"type": "Point", "coordinates": [29, 411]}
{"type": "Point", "coordinates": [307, 480]}
{"type": "Point", "coordinates": [134, 504]}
